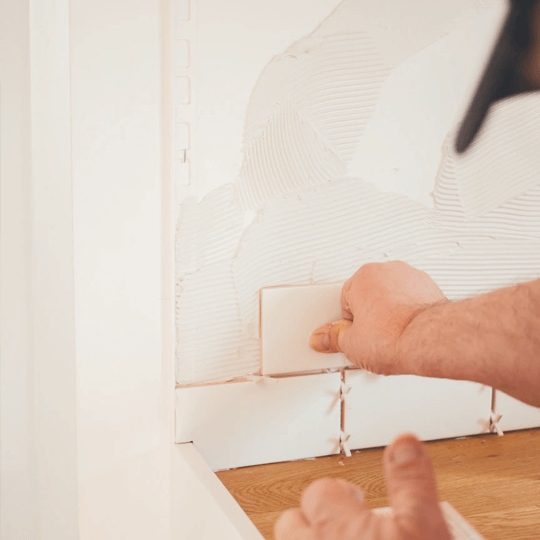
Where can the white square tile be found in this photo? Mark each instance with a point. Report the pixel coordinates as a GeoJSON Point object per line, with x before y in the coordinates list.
{"type": "Point", "coordinates": [249, 423]}
{"type": "Point", "coordinates": [515, 414]}
{"type": "Point", "coordinates": [379, 408]}
{"type": "Point", "coordinates": [288, 316]}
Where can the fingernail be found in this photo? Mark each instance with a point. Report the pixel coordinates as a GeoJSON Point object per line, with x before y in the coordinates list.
{"type": "Point", "coordinates": [405, 453]}
{"type": "Point", "coordinates": [320, 341]}
{"type": "Point", "coordinates": [359, 495]}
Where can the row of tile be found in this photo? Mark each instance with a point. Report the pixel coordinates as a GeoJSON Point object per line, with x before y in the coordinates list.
{"type": "Point", "coordinates": [283, 419]}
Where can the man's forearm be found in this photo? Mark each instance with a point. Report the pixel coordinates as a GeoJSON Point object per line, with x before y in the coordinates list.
{"type": "Point", "coordinates": [492, 339]}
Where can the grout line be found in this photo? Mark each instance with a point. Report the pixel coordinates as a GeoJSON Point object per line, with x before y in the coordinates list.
{"type": "Point", "coordinates": [276, 376]}
{"type": "Point", "coordinates": [342, 420]}
{"type": "Point", "coordinates": [260, 332]}
{"type": "Point", "coordinates": [292, 286]}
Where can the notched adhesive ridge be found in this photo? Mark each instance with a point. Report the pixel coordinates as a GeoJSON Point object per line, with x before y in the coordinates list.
{"type": "Point", "coordinates": [313, 225]}
{"type": "Point", "coordinates": [505, 160]}
{"type": "Point", "coordinates": [306, 114]}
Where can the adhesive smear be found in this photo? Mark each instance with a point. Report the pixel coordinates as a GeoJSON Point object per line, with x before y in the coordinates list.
{"type": "Point", "coordinates": [297, 214]}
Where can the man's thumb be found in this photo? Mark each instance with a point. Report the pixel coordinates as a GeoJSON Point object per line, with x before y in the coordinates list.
{"type": "Point", "coordinates": [330, 338]}
{"type": "Point", "coordinates": [412, 489]}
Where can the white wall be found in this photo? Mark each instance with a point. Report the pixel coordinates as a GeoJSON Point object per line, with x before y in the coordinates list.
{"type": "Point", "coordinates": [129, 472]}
{"type": "Point", "coordinates": [133, 482]}
{"type": "Point", "coordinates": [38, 452]}
{"type": "Point", "coordinates": [17, 488]}
{"type": "Point", "coordinates": [124, 377]}
{"type": "Point", "coordinates": [369, 97]}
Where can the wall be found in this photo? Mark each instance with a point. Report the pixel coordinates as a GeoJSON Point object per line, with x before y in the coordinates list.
{"type": "Point", "coordinates": [17, 451]}
{"type": "Point", "coordinates": [122, 294]}
{"type": "Point", "coordinates": [124, 377]}
{"type": "Point", "coordinates": [346, 157]}
{"type": "Point", "coordinates": [39, 447]}
{"type": "Point", "coordinates": [119, 474]}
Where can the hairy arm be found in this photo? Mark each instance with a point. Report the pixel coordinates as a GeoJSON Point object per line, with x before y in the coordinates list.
{"type": "Point", "coordinates": [396, 320]}
{"type": "Point", "coordinates": [492, 339]}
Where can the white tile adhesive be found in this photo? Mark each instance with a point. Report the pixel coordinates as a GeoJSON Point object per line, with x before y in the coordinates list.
{"type": "Point", "coordinates": [307, 114]}
{"type": "Point", "coordinates": [316, 222]}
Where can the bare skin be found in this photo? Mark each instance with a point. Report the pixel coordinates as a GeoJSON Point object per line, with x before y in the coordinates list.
{"type": "Point", "coordinates": [334, 509]}
{"type": "Point", "coordinates": [532, 60]}
{"type": "Point", "coordinates": [396, 320]}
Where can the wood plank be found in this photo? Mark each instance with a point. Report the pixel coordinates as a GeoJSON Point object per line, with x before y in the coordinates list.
{"type": "Point", "coordinates": [494, 482]}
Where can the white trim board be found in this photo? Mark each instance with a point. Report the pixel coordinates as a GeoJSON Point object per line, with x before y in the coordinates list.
{"type": "Point", "coordinates": [38, 424]}
{"type": "Point", "coordinates": [204, 506]}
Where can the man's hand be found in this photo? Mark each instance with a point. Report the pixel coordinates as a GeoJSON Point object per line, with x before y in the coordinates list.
{"type": "Point", "coordinates": [334, 509]}
{"type": "Point", "coordinates": [377, 304]}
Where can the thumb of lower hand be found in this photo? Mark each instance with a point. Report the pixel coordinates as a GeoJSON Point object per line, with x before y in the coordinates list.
{"type": "Point", "coordinates": [330, 337]}
{"type": "Point", "coordinates": [412, 489]}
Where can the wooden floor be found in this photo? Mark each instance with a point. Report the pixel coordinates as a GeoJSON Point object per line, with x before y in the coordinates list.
{"type": "Point", "coordinates": [494, 482]}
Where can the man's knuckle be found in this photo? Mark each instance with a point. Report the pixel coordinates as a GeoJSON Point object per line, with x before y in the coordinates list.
{"type": "Point", "coordinates": [284, 521]}
{"type": "Point", "coordinates": [324, 486]}
{"type": "Point", "coordinates": [344, 526]}
{"type": "Point", "coordinates": [365, 271]}
{"type": "Point", "coordinates": [316, 496]}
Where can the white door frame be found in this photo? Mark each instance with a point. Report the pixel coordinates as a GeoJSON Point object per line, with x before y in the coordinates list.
{"type": "Point", "coordinates": [40, 456]}
{"type": "Point", "coordinates": [39, 484]}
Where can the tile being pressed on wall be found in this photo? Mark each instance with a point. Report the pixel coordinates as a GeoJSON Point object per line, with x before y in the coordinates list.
{"type": "Point", "coordinates": [378, 408]}
{"type": "Point", "coordinates": [288, 316]}
{"type": "Point", "coordinates": [515, 414]}
{"type": "Point", "coordinates": [248, 423]}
